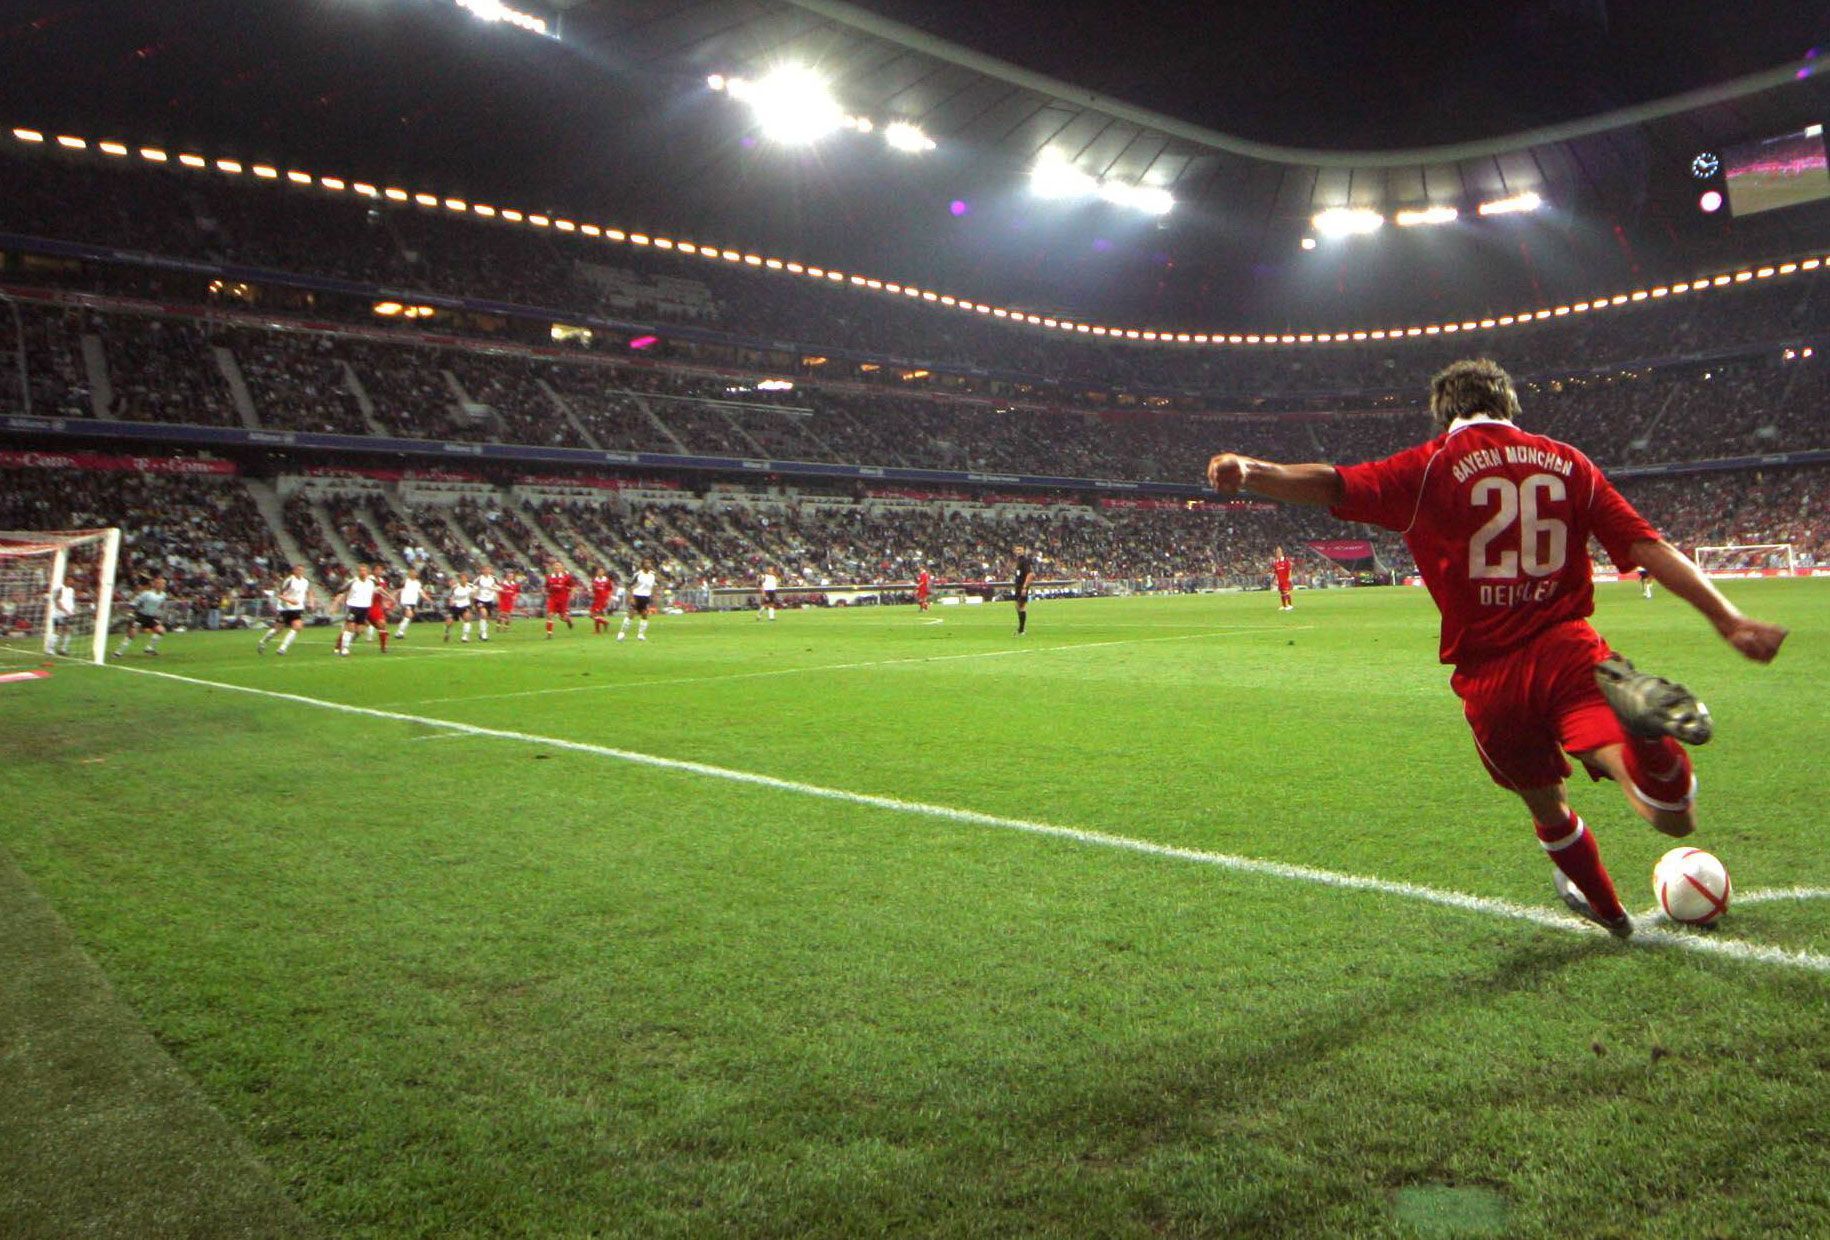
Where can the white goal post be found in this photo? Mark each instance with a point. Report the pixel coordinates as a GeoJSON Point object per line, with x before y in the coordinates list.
{"type": "Point", "coordinates": [1747, 559]}
{"type": "Point", "coordinates": [57, 590]}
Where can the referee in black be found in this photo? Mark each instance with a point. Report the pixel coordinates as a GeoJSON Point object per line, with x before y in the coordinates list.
{"type": "Point", "coordinates": [1026, 569]}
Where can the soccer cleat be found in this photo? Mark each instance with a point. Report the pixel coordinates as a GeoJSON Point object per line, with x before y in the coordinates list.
{"type": "Point", "coordinates": [260, 647]}
{"type": "Point", "coordinates": [1621, 927]}
{"type": "Point", "coordinates": [1651, 706]}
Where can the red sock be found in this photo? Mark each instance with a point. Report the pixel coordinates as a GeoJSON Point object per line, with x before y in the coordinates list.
{"type": "Point", "coordinates": [1572, 849]}
{"type": "Point", "coordinates": [382, 633]}
{"type": "Point", "coordinates": [549, 627]}
{"type": "Point", "coordinates": [1660, 771]}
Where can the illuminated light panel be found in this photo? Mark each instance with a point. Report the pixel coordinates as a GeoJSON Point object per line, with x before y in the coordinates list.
{"type": "Point", "coordinates": [1419, 217]}
{"type": "Point", "coordinates": [775, 264]}
{"type": "Point", "coordinates": [1661, 291]}
{"type": "Point", "coordinates": [903, 136]}
{"type": "Point", "coordinates": [816, 273]}
{"type": "Point", "coordinates": [111, 148]}
{"type": "Point", "coordinates": [730, 256]}
{"type": "Point", "coordinates": [1054, 177]}
{"type": "Point", "coordinates": [1308, 243]}
{"type": "Point", "coordinates": [267, 172]}
{"type": "Point", "coordinates": [1150, 199]}
{"type": "Point", "coordinates": [1763, 273]}
{"type": "Point", "coordinates": [752, 260]}
{"type": "Point", "coordinates": [70, 142]}
{"type": "Point", "coordinates": [28, 135]}
{"type": "Point", "coordinates": [388, 309]}
{"type": "Point", "coordinates": [838, 277]}
{"type": "Point", "coordinates": [1545, 314]}
{"type": "Point", "coordinates": [565, 226]}
{"type": "Point", "coordinates": [792, 105]}
{"type": "Point", "coordinates": [1786, 269]}
{"type": "Point", "coordinates": [795, 268]}
{"type": "Point", "coordinates": [1639, 295]}
{"type": "Point", "coordinates": [873, 284]}
{"type": "Point", "coordinates": [857, 280]}
{"type": "Point", "coordinates": [1347, 222]}
{"type": "Point", "coordinates": [1619, 299]}
{"type": "Point", "coordinates": [617, 234]}
{"type": "Point", "coordinates": [716, 81]}
{"type": "Point", "coordinates": [1514, 205]}
{"type": "Point", "coordinates": [1810, 264]}
{"type": "Point", "coordinates": [456, 204]}
{"type": "Point", "coordinates": [635, 238]}
{"type": "Point", "coordinates": [1719, 281]}
{"type": "Point", "coordinates": [230, 166]}
{"type": "Point", "coordinates": [1487, 324]}
{"type": "Point", "coordinates": [1742, 277]}
{"type": "Point", "coordinates": [484, 209]}
{"type": "Point", "coordinates": [508, 213]}
{"type": "Point", "coordinates": [591, 230]}
{"type": "Point", "coordinates": [496, 11]}
{"type": "Point", "coordinates": [1451, 328]}
{"type": "Point", "coordinates": [334, 184]}
{"type": "Point", "coordinates": [300, 178]}
{"type": "Point", "coordinates": [193, 161]}
{"type": "Point", "coordinates": [426, 200]}
{"type": "Point", "coordinates": [539, 221]}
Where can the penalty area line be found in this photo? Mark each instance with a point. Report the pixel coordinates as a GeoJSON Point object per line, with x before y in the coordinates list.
{"type": "Point", "coordinates": [1734, 949]}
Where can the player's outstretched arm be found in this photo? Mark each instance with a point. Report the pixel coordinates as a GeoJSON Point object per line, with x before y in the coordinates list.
{"type": "Point", "coordinates": [1673, 569]}
{"type": "Point", "coordinates": [1319, 485]}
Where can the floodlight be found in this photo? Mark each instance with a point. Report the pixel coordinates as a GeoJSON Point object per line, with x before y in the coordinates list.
{"type": "Point", "coordinates": [716, 81]}
{"type": "Point", "coordinates": [1151, 200]}
{"type": "Point", "coordinates": [1347, 221]}
{"type": "Point", "coordinates": [1308, 243]}
{"type": "Point", "coordinates": [906, 137]}
{"type": "Point", "coordinates": [1421, 216]}
{"type": "Point", "coordinates": [1710, 202]}
{"type": "Point", "coordinates": [1054, 177]}
{"type": "Point", "coordinates": [1511, 206]}
{"type": "Point", "coordinates": [793, 105]}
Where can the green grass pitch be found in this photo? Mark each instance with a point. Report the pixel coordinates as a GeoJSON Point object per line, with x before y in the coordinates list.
{"type": "Point", "coordinates": [436, 982]}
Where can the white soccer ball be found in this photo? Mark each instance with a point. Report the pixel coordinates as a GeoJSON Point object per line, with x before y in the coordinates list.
{"type": "Point", "coordinates": [1691, 886]}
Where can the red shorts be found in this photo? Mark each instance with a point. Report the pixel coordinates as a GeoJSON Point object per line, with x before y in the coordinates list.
{"type": "Point", "coordinates": [378, 615]}
{"type": "Point", "coordinates": [558, 604]}
{"type": "Point", "coordinates": [1530, 707]}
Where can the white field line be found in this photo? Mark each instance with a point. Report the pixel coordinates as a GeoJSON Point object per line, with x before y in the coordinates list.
{"type": "Point", "coordinates": [847, 667]}
{"type": "Point", "coordinates": [1734, 949]}
{"type": "Point", "coordinates": [1769, 895]}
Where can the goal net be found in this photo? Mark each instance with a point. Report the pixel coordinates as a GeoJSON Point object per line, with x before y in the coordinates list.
{"type": "Point", "coordinates": [57, 590]}
{"type": "Point", "coordinates": [1749, 559]}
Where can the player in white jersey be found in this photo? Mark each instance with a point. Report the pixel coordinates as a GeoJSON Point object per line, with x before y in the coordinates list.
{"type": "Point", "coordinates": [765, 595]}
{"type": "Point", "coordinates": [357, 598]}
{"type": "Point", "coordinates": [457, 605]}
{"type": "Point", "coordinates": [412, 598]}
{"type": "Point", "coordinates": [641, 602]}
{"type": "Point", "coordinates": [63, 618]}
{"type": "Point", "coordinates": [487, 591]}
{"type": "Point", "coordinates": [290, 601]}
{"type": "Point", "coordinates": [148, 605]}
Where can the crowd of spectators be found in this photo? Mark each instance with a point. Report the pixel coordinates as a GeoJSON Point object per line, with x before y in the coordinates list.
{"type": "Point", "coordinates": [404, 247]}
{"type": "Point", "coordinates": [203, 534]}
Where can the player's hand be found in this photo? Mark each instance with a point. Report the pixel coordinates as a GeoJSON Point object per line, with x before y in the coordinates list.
{"type": "Point", "coordinates": [1756, 639]}
{"type": "Point", "coordinates": [1226, 472]}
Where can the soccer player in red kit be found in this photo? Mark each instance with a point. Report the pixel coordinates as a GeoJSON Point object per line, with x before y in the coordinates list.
{"type": "Point", "coordinates": [559, 587]}
{"type": "Point", "coordinates": [924, 585]}
{"type": "Point", "coordinates": [1280, 567]}
{"type": "Point", "coordinates": [603, 588]}
{"type": "Point", "coordinates": [1499, 522]}
{"type": "Point", "coordinates": [378, 610]}
{"type": "Point", "coordinates": [506, 596]}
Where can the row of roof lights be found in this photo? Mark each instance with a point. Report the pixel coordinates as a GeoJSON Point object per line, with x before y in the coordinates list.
{"type": "Point", "coordinates": [1359, 221]}
{"type": "Point", "coordinates": [496, 11]}
{"type": "Point", "coordinates": [431, 201]}
{"type": "Point", "coordinates": [795, 106]}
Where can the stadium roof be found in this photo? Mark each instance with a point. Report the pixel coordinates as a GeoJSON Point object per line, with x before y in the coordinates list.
{"type": "Point", "coordinates": [615, 117]}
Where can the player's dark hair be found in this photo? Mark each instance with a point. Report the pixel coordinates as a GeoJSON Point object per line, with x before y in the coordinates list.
{"type": "Point", "coordinates": [1471, 386]}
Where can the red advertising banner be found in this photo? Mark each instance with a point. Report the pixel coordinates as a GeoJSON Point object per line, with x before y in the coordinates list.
{"type": "Point", "coordinates": [119, 464]}
{"type": "Point", "coordinates": [1342, 550]}
{"type": "Point", "coordinates": [1198, 505]}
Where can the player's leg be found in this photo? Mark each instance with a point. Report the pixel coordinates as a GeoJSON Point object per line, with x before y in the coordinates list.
{"type": "Point", "coordinates": [549, 621]}
{"type": "Point", "coordinates": [628, 612]}
{"type": "Point", "coordinates": [292, 631]}
{"type": "Point", "coordinates": [483, 621]}
{"type": "Point", "coordinates": [152, 643]}
{"type": "Point", "coordinates": [1022, 612]}
{"type": "Point", "coordinates": [466, 632]}
{"type": "Point", "coordinates": [1571, 847]}
{"type": "Point", "coordinates": [133, 631]}
{"type": "Point", "coordinates": [1657, 779]}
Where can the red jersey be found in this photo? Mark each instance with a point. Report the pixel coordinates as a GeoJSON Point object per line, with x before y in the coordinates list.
{"type": "Point", "coordinates": [559, 585]}
{"type": "Point", "coordinates": [1282, 569]}
{"type": "Point", "coordinates": [1499, 521]}
{"type": "Point", "coordinates": [601, 590]}
{"type": "Point", "coordinates": [922, 582]}
{"type": "Point", "coordinates": [507, 594]}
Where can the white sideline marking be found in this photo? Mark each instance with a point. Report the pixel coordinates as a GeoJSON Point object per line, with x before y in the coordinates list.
{"type": "Point", "coordinates": [1733, 948]}
{"type": "Point", "coordinates": [846, 667]}
{"type": "Point", "coordinates": [1768, 895]}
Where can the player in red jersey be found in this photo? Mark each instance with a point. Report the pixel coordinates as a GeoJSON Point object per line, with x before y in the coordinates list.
{"type": "Point", "coordinates": [1499, 521]}
{"type": "Point", "coordinates": [559, 587]}
{"type": "Point", "coordinates": [924, 586]}
{"type": "Point", "coordinates": [603, 590]}
{"type": "Point", "coordinates": [507, 594]}
{"type": "Point", "coordinates": [1281, 567]}
{"type": "Point", "coordinates": [378, 610]}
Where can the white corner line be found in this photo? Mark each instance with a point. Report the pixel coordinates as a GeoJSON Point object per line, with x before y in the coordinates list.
{"type": "Point", "coordinates": [1736, 949]}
